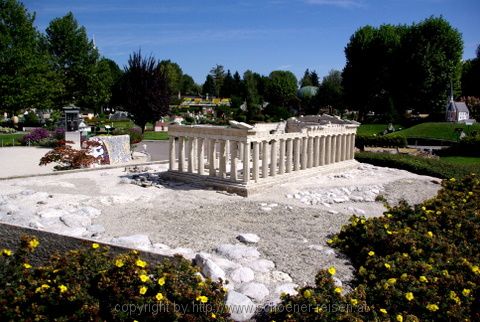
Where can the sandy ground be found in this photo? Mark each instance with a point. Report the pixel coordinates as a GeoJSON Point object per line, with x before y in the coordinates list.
{"type": "Point", "coordinates": [293, 220]}
{"type": "Point", "coordinates": [17, 161]}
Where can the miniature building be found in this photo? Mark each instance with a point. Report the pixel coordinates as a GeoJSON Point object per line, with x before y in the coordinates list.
{"type": "Point", "coordinates": [244, 158]}
{"type": "Point", "coordinates": [457, 111]}
{"type": "Point", "coordinates": [72, 121]}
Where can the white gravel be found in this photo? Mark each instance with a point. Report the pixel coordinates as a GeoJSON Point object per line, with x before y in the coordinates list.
{"type": "Point", "coordinates": [292, 221]}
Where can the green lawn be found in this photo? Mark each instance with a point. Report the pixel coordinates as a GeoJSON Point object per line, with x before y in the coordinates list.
{"type": "Point", "coordinates": [8, 139]}
{"type": "Point", "coordinates": [149, 135]}
{"type": "Point", "coordinates": [461, 160]}
{"type": "Point", "coordinates": [440, 130]}
{"type": "Point", "coordinates": [371, 129]}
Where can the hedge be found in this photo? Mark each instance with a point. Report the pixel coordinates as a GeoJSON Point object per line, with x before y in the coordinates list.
{"type": "Point", "coordinates": [361, 141]}
{"type": "Point", "coordinates": [468, 146]}
{"type": "Point", "coordinates": [418, 165]}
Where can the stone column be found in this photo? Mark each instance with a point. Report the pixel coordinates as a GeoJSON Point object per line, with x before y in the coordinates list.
{"type": "Point", "coordinates": [181, 153]}
{"type": "Point", "coordinates": [296, 155]}
{"type": "Point", "coordinates": [310, 152]}
{"type": "Point", "coordinates": [352, 150]}
{"type": "Point", "coordinates": [265, 147]}
{"type": "Point", "coordinates": [211, 158]}
{"type": "Point", "coordinates": [172, 156]}
{"type": "Point", "coordinates": [246, 161]}
{"type": "Point", "coordinates": [333, 149]}
{"type": "Point", "coordinates": [316, 149]}
{"type": "Point", "coordinates": [338, 152]}
{"type": "Point", "coordinates": [304, 153]}
{"type": "Point", "coordinates": [273, 158]}
{"type": "Point", "coordinates": [322, 151]}
{"type": "Point", "coordinates": [281, 168]}
{"type": "Point", "coordinates": [201, 156]}
{"type": "Point", "coordinates": [223, 159]}
{"type": "Point", "coordinates": [233, 160]}
{"type": "Point", "coordinates": [328, 149]}
{"type": "Point", "coordinates": [347, 146]}
{"type": "Point", "coordinates": [190, 154]}
{"type": "Point", "coordinates": [289, 155]}
{"type": "Point", "coordinates": [255, 159]}
{"type": "Point", "coordinates": [240, 150]}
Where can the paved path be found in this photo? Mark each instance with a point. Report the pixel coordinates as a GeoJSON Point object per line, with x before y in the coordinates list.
{"type": "Point", "coordinates": [22, 160]}
{"type": "Point", "coordinates": [158, 150]}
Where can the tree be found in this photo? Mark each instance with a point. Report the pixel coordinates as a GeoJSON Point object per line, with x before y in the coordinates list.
{"type": "Point", "coordinates": [174, 75]}
{"type": "Point", "coordinates": [314, 78]}
{"type": "Point", "coordinates": [330, 93]}
{"type": "Point", "coordinates": [143, 90]}
{"type": "Point", "coordinates": [281, 88]}
{"type": "Point", "coordinates": [228, 85]}
{"type": "Point", "coordinates": [26, 77]}
{"type": "Point", "coordinates": [208, 87]}
{"type": "Point", "coordinates": [306, 79]}
{"type": "Point", "coordinates": [471, 76]}
{"type": "Point", "coordinates": [218, 75]}
{"type": "Point", "coordinates": [78, 64]}
{"type": "Point", "coordinates": [188, 86]}
{"type": "Point", "coordinates": [402, 67]}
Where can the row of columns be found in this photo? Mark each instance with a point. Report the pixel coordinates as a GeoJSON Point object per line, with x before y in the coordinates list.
{"type": "Point", "coordinates": [258, 158]}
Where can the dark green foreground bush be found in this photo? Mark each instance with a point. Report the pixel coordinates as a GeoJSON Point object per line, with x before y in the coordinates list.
{"type": "Point", "coordinates": [91, 285]}
{"type": "Point", "coordinates": [417, 263]}
{"type": "Point", "coordinates": [394, 141]}
{"type": "Point", "coordinates": [423, 166]}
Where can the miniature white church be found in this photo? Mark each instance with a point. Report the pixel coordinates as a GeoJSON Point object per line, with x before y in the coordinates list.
{"type": "Point", "coordinates": [457, 111]}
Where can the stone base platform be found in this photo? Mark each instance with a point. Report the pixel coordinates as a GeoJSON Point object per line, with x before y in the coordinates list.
{"type": "Point", "coordinates": [251, 188]}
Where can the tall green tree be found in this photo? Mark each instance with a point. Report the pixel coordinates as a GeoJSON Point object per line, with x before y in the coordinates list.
{"type": "Point", "coordinates": [306, 79]}
{"type": "Point", "coordinates": [208, 87]}
{"type": "Point", "coordinates": [218, 75]}
{"type": "Point", "coordinates": [471, 76]}
{"type": "Point", "coordinates": [143, 90]}
{"type": "Point", "coordinates": [174, 75]}
{"type": "Point", "coordinates": [188, 86]}
{"type": "Point", "coordinates": [228, 85]}
{"type": "Point", "coordinates": [77, 63]}
{"type": "Point", "coordinates": [330, 93]}
{"type": "Point", "coordinates": [26, 77]}
{"type": "Point", "coordinates": [281, 88]}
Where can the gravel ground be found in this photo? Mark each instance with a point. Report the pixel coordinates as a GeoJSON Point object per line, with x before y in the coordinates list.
{"type": "Point", "coordinates": [293, 220]}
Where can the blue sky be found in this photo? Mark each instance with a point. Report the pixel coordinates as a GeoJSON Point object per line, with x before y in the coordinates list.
{"type": "Point", "coordinates": [248, 34]}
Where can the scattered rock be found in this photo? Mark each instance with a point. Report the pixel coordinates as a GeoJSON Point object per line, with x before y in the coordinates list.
{"type": "Point", "coordinates": [261, 265]}
{"type": "Point", "coordinates": [73, 221]}
{"type": "Point", "coordinates": [209, 268]}
{"type": "Point", "coordinates": [135, 241]}
{"type": "Point", "coordinates": [236, 252]}
{"type": "Point", "coordinates": [96, 230]}
{"type": "Point", "coordinates": [248, 238]}
{"type": "Point", "coordinates": [287, 288]}
{"type": "Point", "coordinates": [255, 291]}
{"type": "Point", "coordinates": [240, 306]}
{"type": "Point", "coordinates": [279, 276]}
{"type": "Point", "coordinates": [242, 275]}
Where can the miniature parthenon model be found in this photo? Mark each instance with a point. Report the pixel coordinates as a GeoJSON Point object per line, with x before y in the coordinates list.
{"type": "Point", "coordinates": [242, 158]}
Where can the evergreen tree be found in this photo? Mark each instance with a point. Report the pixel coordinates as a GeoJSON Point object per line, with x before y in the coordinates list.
{"type": "Point", "coordinates": [208, 87]}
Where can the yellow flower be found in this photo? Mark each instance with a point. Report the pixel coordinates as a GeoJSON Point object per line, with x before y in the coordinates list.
{"type": "Point", "coordinates": [7, 252]}
{"type": "Point", "coordinates": [27, 265]}
{"type": "Point", "coordinates": [95, 245]}
{"type": "Point", "coordinates": [119, 263]}
{"type": "Point", "coordinates": [438, 212]}
{"type": "Point", "coordinates": [338, 290]}
{"type": "Point", "coordinates": [391, 281]}
{"type": "Point", "coordinates": [143, 290]}
{"type": "Point", "coordinates": [466, 292]}
{"type": "Point", "coordinates": [332, 270]}
{"type": "Point", "coordinates": [445, 273]}
{"type": "Point", "coordinates": [330, 241]}
{"type": "Point", "coordinates": [432, 307]}
{"type": "Point", "coordinates": [475, 269]}
{"type": "Point", "coordinates": [354, 301]}
{"type": "Point", "coordinates": [144, 278]}
{"type": "Point", "coordinates": [389, 232]}
{"type": "Point", "coordinates": [387, 266]}
{"type": "Point", "coordinates": [424, 208]}
{"type": "Point", "coordinates": [371, 253]}
{"type": "Point", "coordinates": [363, 221]}
{"type": "Point", "coordinates": [383, 311]}
{"type": "Point", "coordinates": [389, 215]}
{"type": "Point", "coordinates": [405, 255]}
{"type": "Point", "coordinates": [33, 243]}
{"type": "Point", "coordinates": [404, 276]}
{"type": "Point", "coordinates": [161, 281]}
{"type": "Point", "coordinates": [362, 270]}
{"type": "Point", "coordinates": [159, 296]}
{"type": "Point", "coordinates": [409, 296]}
{"type": "Point", "coordinates": [399, 318]}
{"type": "Point", "coordinates": [452, 180]}
{"type": "Point", "coordinates": [317, 309]}
{"type": "Point", "coordinates": [470, 193]}
{"type": "Point", "coordinates": [423, 279]}
{"type": "Point", "coordinates": [454, 296]}
{"type": "Point", "coordinates": [213, 315]}
{"type": "Point", "coordinates": [307, 294]}
{"type": "Point", "coordinates": [140, 263]}
{"type": "Point", "coordinates": [429, 234]}
{"type": "Point", "coordinates": [62, 288]}
{"type": "Point", "coordinates": [202, 299]}
{"type": "Point", "coordinates": [42, 288]}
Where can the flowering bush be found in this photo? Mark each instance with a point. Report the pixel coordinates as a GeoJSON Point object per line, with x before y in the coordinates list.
{"type": "Point", "coordinates": [91, 285]}
{"type": "Point", "coordinates": [415, 263]}
{"type": "Point", "coordinates": [35, 136]}
{"type": "Point", "coordinates": [7, 130]}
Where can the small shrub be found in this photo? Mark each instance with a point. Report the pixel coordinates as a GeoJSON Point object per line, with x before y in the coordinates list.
{"type": "Point", "coordinates": [35, 136]}
{"type": "Point", "coordinates": [68, 158]}
{"type": "Point", "coordinates": [468, 146]}
{"type": "Point", "coordinates": [7, 130]}
{"type": "Point", "coordinates": [90, 284]}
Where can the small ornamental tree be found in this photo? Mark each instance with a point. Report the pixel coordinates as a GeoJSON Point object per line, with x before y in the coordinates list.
{"type": "Point", "coordinates": [69, 158]}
